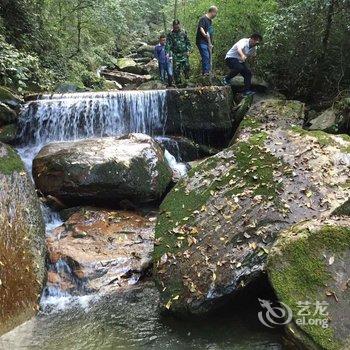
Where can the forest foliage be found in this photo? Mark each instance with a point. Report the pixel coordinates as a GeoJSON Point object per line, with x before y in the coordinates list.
{"type": "Point", "coordinates": [306, 49]}
{"type": "Point", "coordinates": [305, 54]}
{"type": "Point", "coordinates": [44, 42]}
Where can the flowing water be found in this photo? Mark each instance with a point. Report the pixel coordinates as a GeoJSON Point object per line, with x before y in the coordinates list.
{"type": "Point", "coordinates": [127, 320]}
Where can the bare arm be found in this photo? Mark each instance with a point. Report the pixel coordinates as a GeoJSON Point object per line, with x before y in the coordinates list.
{"type": "Point", "coordinates": [241, 53]}
{"type": "Point", "coordinates": [203, 32]}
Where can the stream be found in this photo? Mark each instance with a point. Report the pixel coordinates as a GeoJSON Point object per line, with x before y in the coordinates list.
{"type": "Point", "coordinates": [129, 319]}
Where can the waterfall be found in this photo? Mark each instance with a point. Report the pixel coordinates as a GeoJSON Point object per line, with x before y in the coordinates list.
{"type": "Point", "coordinates": [74, 116]}
{"type": "Point", "coordinates": [61, 117]}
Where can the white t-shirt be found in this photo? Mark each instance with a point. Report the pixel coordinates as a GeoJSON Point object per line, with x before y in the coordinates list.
{"type": "Point", "coordinates": [244, 45]}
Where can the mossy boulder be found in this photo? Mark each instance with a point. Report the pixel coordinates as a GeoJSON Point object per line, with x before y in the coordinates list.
{"type": "Point", "coordinates": [105, 171]}
{"type": "Point", "coordinates": [334, 120]}
{"type": "Point", "coordinates": [9, 98]}
{"type": "Point", "coordinates": [22, 243]}
{"type": "Point", "coordinates": [8, 133]}
{"type": "Point", "coordinates": [217, 225]}
{"type": "Point", "coordinates": [309, 264]}
{"type": "Point", "coordinates": [128, 65]}
{"type": "Point", "coordinates": [7, 115]}
{"type": "Point", "coordinates": [201, 114]}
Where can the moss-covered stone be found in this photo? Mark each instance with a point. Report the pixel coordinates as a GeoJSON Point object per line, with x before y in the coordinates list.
{"type": "Point", "coordinates": [8, 133]}
{"type": "Point", "coordinates": [335, 120]}
{"type": "Point", "coordinates": [9, 98]}
{"type": "Point", "coordinates": [217, 225]}
{"type": "Point", "coordinates": [22, 243]}
{"type": "Point", "coordinates": [7, 115]}
{"type": "Point", "coordinates": [311, 263]}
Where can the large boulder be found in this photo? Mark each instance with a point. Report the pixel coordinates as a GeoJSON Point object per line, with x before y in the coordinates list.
{"type": "Point", "coordinates": [8, 134]}
{"type": "Point", "coordinates": [217, 225]}
{"type": "Point", "coordinates": [104, 171]}
{"type": "Point", "coordinates": [309, 269]}
{"type": "Point", "coordinates": [202, 114]}
{"type": "Point", "coordinates": [335, 119]}
{"type": "Point", "coordinates": [22, 243]}
{"type": "Point", "coordinates": [128, 65]}
{"type": "Point", "coordinates": [9, 98]}
{"type": "Point", "coordinates": [104, 251]}
{"type": "Point", "coordinates": [7, 115]}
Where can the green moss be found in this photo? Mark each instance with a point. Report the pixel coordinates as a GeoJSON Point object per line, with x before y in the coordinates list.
{"type": "Point", "coordinates": [323, 138]}
{"type": "Point", "coordinates": [8, 133]}
{"type": "Point", "coordinates": [252, 164]}
{"type": "Point", "coordinates": [10, 162]}
{"type": "Point", "coordinates": [251, 123]}
{"type": "Point", "coordinates": [303, 275]}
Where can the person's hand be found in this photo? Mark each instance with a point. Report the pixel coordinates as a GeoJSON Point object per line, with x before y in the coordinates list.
{"type": "Point", "coordinates": [244, 58]}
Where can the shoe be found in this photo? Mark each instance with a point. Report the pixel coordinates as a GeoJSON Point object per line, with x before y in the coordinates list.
{"type": "Point", "coordinates": [249, 93]}
{"type": "Point", "coordinates": [225, 81]}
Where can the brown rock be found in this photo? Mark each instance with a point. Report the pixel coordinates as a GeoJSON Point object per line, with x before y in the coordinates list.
{"type": "Point", "coordinates": [115, 250]}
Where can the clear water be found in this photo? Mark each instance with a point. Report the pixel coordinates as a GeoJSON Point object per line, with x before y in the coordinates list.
{"type": "Point", "coordinates": [132, 321]}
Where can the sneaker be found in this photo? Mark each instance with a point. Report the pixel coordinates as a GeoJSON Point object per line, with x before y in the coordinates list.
{"type": "Point", "coordinates": [249, 93]}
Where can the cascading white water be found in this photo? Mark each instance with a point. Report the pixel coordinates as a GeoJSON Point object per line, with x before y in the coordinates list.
{"type": "Point", "coordinates": [82, 115]}
{"type": "Point", "coordinates": [63, 117]}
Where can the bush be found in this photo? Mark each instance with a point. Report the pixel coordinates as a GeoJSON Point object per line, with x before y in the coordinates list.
{"type": "Point", "coordinates": [20, 70]}
{"type": "Point", "coordinates": [307, 49]}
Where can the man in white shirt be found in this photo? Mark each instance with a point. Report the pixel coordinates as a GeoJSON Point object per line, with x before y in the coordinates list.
{"type": "Point", "coordinates": [236, 60]}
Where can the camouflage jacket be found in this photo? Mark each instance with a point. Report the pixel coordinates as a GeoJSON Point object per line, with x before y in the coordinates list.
{"type": "Point", "coordinates": [178, 43]}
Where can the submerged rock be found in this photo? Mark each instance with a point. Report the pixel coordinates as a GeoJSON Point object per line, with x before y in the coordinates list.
{"type": "Point", "coordinates": [22, 243]}
{"type": "Point", "coordinates": [103, 170]}
{"type": "Point", "coordinates": [217, 225]}
{"type": "Point", "coordinates": [100, 250]}
{"type": "Point", "coordinates": [309, 268]}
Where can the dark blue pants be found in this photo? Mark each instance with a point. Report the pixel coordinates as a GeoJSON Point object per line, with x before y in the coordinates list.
{"type": "Point", "coordinates": [205, 54]}
{"type": "Point", "coordinates": [236, 68]}
{"type": "Point", "coordinates": [166, 72]}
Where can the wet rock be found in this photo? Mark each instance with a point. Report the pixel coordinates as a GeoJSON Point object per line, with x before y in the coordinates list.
{"type": "Point", "coordinates": [7, 115]}
{"type": "Point", "coordinates": [106, 171]}
{"type": "Point", "coordinates": [125, 78]}
{"type": "Point", "coordinates": [183, 149]}
{"type": "Point", "coordinates": [22, 243]}
{"type": "Point", "coordinates": [8, 134]}
{"type": "Point", "coordinates": [309, 265]}
{"type": "Point", "coordinates": [334, 120]}
{"type": "Point", "coordinates": [9, 98]}
{"type": "Point", "coordinates": [201, 114]}
{"type": "Point", "coordinates": [100, 250]}
{"type": "Point", "coordinates": [217, 225]}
